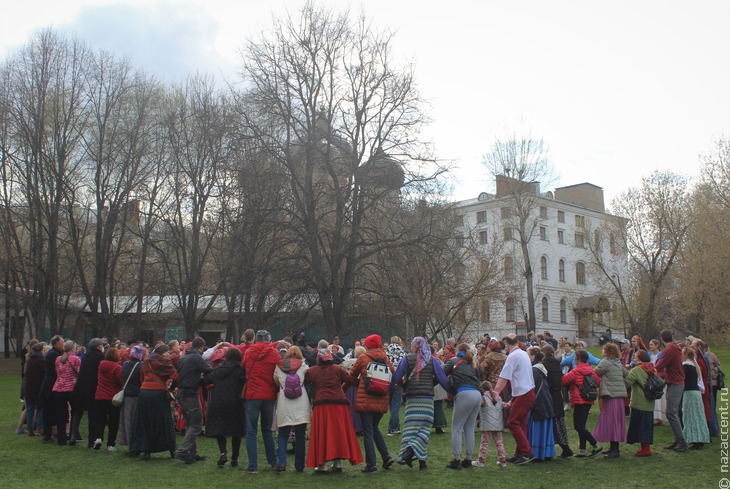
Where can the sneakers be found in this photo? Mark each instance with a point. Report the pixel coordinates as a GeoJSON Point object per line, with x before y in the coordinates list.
{"type": "Point", "coordinates": [251, 470]}
{"type": "Point", "coordinates": [681, 447]}
{"type": "Point", "coordinates": [388, 462]}
{"type": "Point", "coordinates": [422, 465]}
{"type": "Point", "coordinates": [369, 469]}
{"type": "Point", "coordinates": [477, 463]}
{"type": "Point", "coordinates": [502, 464]}
{"type": "Point", "coordinates": [525, 459]}
{"type": "Point", "coordinates": [97, 444]}
{"type": "Point", "coordinates": [407, 457]}
{"type": "Point", "coordinates": [595, 451]}
{"type": "Point", "coordinates": [671, 447]}
{"type": "Point", "coordinates": [440, 431]}
{"type": "Point", "coordinates": [111, 448]}
{"type": "Point", "coordinates": [20, 431]}
{"type": "Point", "coordinates": [466, 463]}
{"type": "Point", "coordinates": [454, 464]}
{"type": "Point", "coordinates": [222, 459]}
{"type": "Point", "coordinates": [513, 459]}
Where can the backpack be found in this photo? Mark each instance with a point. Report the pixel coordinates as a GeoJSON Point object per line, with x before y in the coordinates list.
{"type": "Point", "coordinates": [292, 386]}
{"type": "Point", "coordinates": [589, 390]}
{"type": "Point", "coordinates": [654, 387]}
{"type": "Point", "coordinates": [377, 377]}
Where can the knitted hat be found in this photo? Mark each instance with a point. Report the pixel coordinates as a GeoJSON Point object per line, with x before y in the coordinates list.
{"type": "Point", "coordinates": [373, 341]}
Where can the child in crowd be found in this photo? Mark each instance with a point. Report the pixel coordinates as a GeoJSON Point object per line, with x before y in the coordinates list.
{"type": "Point", "coordinates": [491, 424]}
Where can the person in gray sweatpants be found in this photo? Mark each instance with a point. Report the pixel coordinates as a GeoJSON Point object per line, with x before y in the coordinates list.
{"type": "Point", "coordinates": [669, 367]}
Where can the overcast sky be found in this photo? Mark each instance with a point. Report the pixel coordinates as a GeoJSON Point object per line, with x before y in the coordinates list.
{"type": "Point", "coordinates": [617, 88]}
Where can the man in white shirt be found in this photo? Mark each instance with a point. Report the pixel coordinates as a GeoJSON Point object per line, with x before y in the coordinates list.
{"type": "Point", "coordinates": [517, 370]}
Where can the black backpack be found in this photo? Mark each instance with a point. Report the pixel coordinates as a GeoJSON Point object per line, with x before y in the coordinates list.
{"type": "Point", "coordinates": [589, 390]}
{"type": "Point", "coordinates": [654, 387]}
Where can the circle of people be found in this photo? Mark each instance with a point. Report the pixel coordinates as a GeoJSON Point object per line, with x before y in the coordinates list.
{"type": "Point", "coordinates": [319, 399]}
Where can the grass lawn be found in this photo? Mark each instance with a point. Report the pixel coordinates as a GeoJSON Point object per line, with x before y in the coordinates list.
{"type": "Point", "coordinates": [26, 462]}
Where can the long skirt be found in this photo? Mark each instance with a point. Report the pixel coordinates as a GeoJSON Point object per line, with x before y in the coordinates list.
{"type": "Point", "coordinates": [693, 418]}
{"type": "Point", "coordinates": [641, 427]}
{"type": "Point", "coordinates": [560, 431]}
{"type": "Point", "coordinates": [439, 416]}
{"type": "Point", "coordinates": [418, 419]}
{"type": "Point", "coordinates": [540, 436]}
{"type": "Point", "coordinates": [660, 407]}
{"type": "Point", "coordinates": [351, 392]}
{"type": "Point", "coordinates": [125, 420]}
{"type": "Point", "coordinates": [152, 426]}
{"type": "Point", "coordinates": [612, 421]}
{"type": "Point", "coordinates": [332, 436]}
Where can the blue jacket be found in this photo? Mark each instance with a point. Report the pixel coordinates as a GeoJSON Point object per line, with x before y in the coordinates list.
{"type": "Point", "coordinates": [570, 360]}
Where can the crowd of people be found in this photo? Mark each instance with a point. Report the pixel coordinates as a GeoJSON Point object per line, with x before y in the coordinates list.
{"type": "Point", "coordinates": [320, 398]}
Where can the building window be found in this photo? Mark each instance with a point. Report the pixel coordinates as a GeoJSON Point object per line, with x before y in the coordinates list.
{"type": "Point", "coordinates": [561, 270]}
{"type": "Point", "coordinates": [580, 241]}
{"type": "Point", "coordinates": [509, 268]}
{"type": "Point", "coordinates": [461, 241]}
{"type": "Point", "coordinates": [507, 233]}
{"type": "Point", "coordinates": [543, 233]}
{"type": "Point", "coordinates": [612, 243]}
{"type": "Point", "coordinates": [543, 212]}
{"type": "Point", "coordinates": [486, 314]}
{"type": "Point", "coordinates": [459, 220]}
{"type": "Point", "coordinates": [597, 240]}
{"type": "Point", "coordinates": [561, 216]}
{"type": "Point", "coordinates": [580, 273]}
{"type": "Point", "coordinates": [543, 268]}
{"type": "Point", "coordinates": [509, 306]}
{"type": "Point", "coordinates": [561, 236]}
{"type": "Point", "coordinates": [580, 221]}
{"type": "Point", "coordinates": [482, 237]}
{"type": "Point", "coordinates": [481, 217]}
{"type": "Point", "coordinates": [506, 212]}
{"type": "Point", "coordinates": [563, 312]}
{"type": "Point", "coordinates": [545, 315]}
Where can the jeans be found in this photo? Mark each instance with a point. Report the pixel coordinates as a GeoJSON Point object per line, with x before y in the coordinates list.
{"type": "Point", "coordinates": [372, 438]}
{"type": "Point", "coordinates": [396, 400]}
{"type": "Point", "coordinates": [254, 408]}
{"type": "Point", "coordinates": [193, 416]}
{"type": "Point", "coordinates": [300, 434]}
{"type": "Point", "coordinates": [32, 405]}
{"type": "Point", "coordinates": [674, 401]}
{"type": "Point", "coordinates": [517, 422]}
{"type": "Point", "coordinates": [580, 417]}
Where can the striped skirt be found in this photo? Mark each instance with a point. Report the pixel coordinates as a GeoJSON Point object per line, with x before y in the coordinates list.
{"type": "Point", "coordinates": [693, 418]}
{"type": "Point", "coordinates": [417, 424]}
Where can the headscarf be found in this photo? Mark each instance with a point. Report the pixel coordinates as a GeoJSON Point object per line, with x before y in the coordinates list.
{"type": "Point", "coordinates": [325, 356]}
{"type": "Point", "coordinates": [423, 353]}
{"type": "Point", "coordinates": [136, 352]}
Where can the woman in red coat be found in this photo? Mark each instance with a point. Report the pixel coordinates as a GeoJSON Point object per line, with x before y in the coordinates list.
{"type": "Point", "coordinates": [371, 407]}
{"type": "Point", "coordinates": [332, 436]}
{"type": "Point", "coordinates": [109, 383]}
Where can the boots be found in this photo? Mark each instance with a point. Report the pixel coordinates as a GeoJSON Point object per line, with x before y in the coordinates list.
{"type": "Point", "coordinates": [645, 450]}
{"type": "Point", "coordinates": [613, 451]}
{"type": "Point", "coordinates": [567, 452]}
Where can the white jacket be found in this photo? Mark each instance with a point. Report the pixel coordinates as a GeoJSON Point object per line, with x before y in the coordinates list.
{"type": "Point", "coordinates": [291, 412]}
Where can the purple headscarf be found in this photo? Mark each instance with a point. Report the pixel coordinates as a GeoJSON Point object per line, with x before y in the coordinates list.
{"type": "Point", "coordinates": [136, 352]}
{"type": "Point", "coordinates": [423, 353]}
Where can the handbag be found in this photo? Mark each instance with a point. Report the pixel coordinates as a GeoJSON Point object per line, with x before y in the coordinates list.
{"type": "Point", "coordinates": [118, 398]}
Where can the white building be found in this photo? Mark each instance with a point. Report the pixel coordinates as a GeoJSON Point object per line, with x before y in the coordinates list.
{"type": "Point", "coordinates": [572, 296]}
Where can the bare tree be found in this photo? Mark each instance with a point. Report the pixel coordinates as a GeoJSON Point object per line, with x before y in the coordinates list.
{"type": "Point", "coordinates": [655, 224]}
{"type": "Point", "coordinates": [198, 133]}
{"type": "Point", "coordinates": [520, 165]}
{"type": "Point", "coordinates": [336, 116]}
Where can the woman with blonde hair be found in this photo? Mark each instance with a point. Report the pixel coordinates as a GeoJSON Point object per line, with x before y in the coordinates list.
{"type": "Point", "coordinates": [67, 370]}
{"type": "Point", "coordinates": [611, 425]}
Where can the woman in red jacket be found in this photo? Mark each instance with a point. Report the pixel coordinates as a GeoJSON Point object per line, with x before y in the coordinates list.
{"type": "Point", "coordinates": [109, 383]}
{"type": "Point", "coordinates": [581, 407]}
{"type": "Point", "coordinates": [371, 407]}
{"type": "Point", "coordinates": [332, 436]}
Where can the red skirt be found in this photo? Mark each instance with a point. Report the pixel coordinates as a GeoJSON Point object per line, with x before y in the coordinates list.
{"type": "Point", "coordinates": [332, 436]}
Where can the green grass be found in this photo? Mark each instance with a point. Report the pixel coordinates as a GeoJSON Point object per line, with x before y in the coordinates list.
{"type": "Point", "coordinates": [26, 462]}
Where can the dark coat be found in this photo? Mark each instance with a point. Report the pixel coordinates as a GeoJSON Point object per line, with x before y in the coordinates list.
{"type": "Point", "coordinates": [225, 411]}
{"type": "Point", "coordinates": [34, 372]}
{"type": "Point", "coordinates": [135, 381]}
{"type": "Point", "coordinates": [49, 376]}
{"type": "Point", "coordinates": [543, 408]}
{"type": "Point", "coordinates": [554, 377]}
{"type": "Point", "coordinates": [88, 377]}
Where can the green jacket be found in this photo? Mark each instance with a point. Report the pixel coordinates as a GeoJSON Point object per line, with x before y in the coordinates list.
{"type": "Point", "coordinates": [612, 375]}
{"type": "Point", "coordinates": [636, 380]}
